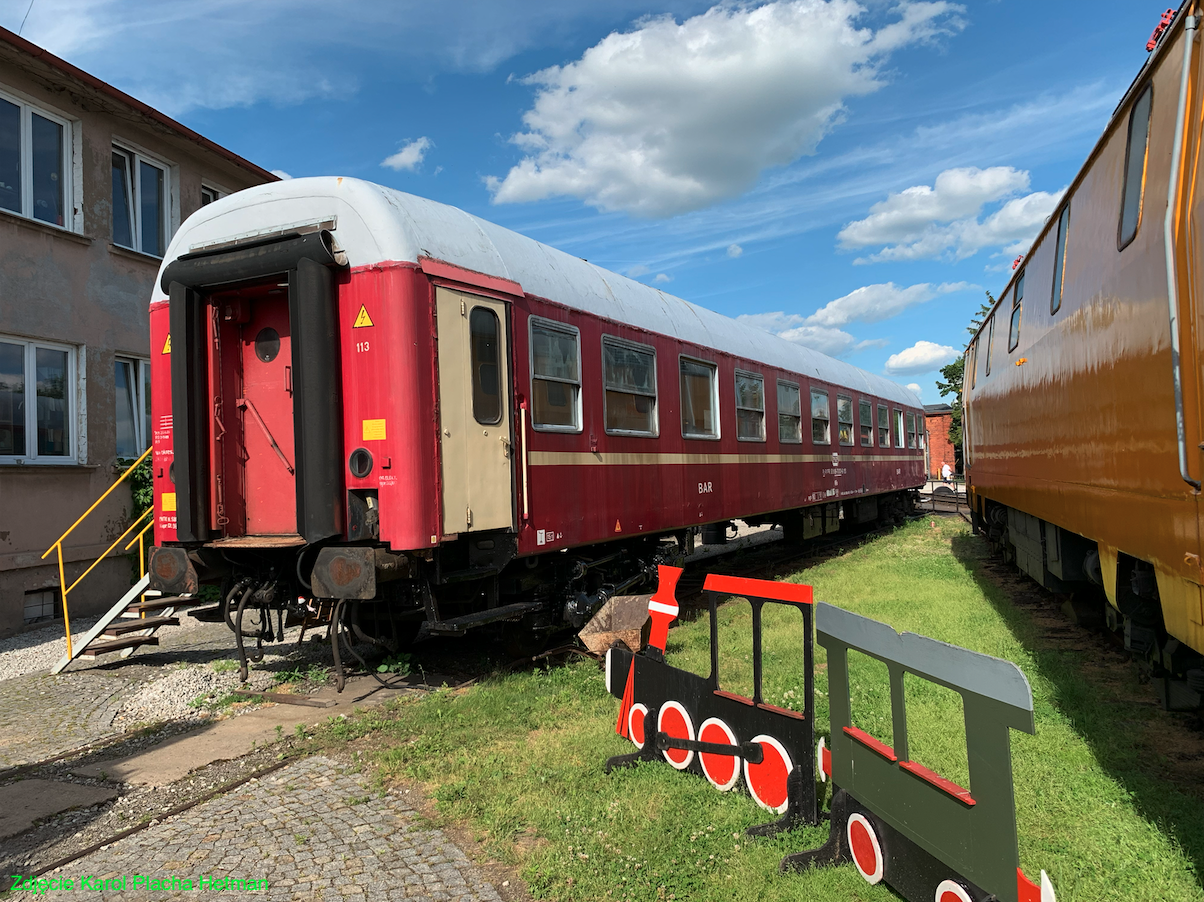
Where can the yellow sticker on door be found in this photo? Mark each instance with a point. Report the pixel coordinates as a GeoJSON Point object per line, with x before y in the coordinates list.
{"type": "Point", "coordinates": [374, 430]}
{"type": "Point", "coordinates": [167, 344]}
{"type": "Point", "coordinates": [169, 501]}
{"type": "Point", "coordinates": [363, 320]}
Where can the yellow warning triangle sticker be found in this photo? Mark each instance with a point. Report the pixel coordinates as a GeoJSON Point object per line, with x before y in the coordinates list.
{"type": "Point", "coordinates": [167, 344]}
{"type": "Point", "coordinates": [618, 528]}
{"type": "Point", "coordinates": [363, 319]}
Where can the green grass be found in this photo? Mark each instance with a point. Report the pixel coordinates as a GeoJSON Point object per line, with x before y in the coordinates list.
{"type": "Point", "coordinates": [518, 759]}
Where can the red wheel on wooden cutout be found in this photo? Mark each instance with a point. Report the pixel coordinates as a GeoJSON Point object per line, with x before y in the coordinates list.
{"type": "Point", "coordinates": [721, 770]}
{"type": "Point", "coordinates": [951, 891]}
{"type": "Point", "coordinates": [635, 723]}
{"type": "Point", "coordinates": [864, 846]}
{"type": "Point", "coordinates": [767, 780]}
{"type": "Point", "coordinates": [674, 720]}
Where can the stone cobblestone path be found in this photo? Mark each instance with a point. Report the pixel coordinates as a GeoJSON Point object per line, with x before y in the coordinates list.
{"type": "Point", "coordinates": [44, 715]}
{"type": "Point", "coordinates": [311, 830]}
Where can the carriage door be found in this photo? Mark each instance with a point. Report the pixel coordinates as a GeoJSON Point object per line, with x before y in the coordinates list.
{"type": "Point", "coordinates": [474, 413]}
{"type": "Point", "coordinates": [265, 409]}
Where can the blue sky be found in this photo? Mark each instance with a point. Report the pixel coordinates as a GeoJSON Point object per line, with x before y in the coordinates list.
{"type": "Point", "coordinates": [850, 176]}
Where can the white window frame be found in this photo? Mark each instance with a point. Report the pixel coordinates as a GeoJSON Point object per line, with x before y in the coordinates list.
{"type": "Point", "coordinates": [827, 440]}
{"type": "Point", "coordinates": [799, 439]}
{"type": "Point", "coordinates": [714, 368]}
{"type": "Point", "coordinates": [756, 377]}
{"type": "Point", "coordinates": [71, 218]}
{"type": "Point", "coordinates": [900, 435]}
{"type": "Point", "coordinates": [141, 370]}
{"type": "Point", "coordinates": [656, 413]}
{"type": "Point", "coordinates": [71, 390]}
{"type": "Point", "coordinates": [912, 436]}
{"type": "Point", "coordinates": [554, 325]}
{"type": "Point", "coordinates": [136, 156]}
{"type": "Point", "coordinates": [218, 193]}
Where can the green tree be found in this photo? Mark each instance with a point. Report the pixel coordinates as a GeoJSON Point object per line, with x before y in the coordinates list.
{"type": "Point", "coordinates": [954, 373]}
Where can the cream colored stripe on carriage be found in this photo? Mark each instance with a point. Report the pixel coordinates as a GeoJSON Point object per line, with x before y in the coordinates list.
{"type": "Point", "coordinates": [588, 459]}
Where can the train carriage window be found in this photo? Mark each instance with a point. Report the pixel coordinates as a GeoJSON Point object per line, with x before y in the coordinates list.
{"type": "Point", "coordinates": [483, 329]}
{"type": "Point", "coordinates": [972, 363]}
{"type": "Point", "coordinates": [844, 420]}
{"type": "Point", "coordinates": [555, 377]}
{"type": "Point", "coordinates": [1014, 324]}
{"type": "Point", "coordinates": [699, 399]}
{"type": "Point", "coordinates": [990, 343]}
{"type": "Point", "coordinates": [865, 416]}
{"type": "Point", "coordinates": [883, 426]}
{"type": "Point", "coordinates": [629, 380]}
{"type": "Point", "coordinates": [898, 428]}
{"type": "Point", "coordinates": [1055, 298]}
{"type": "Point", "coordinates": [790, 414]}
{"type": "Point", "coordinates": [750, 407]}
{"type": "Point", "coordinates": [821, 432]}
{"type": "Point", "coordinates": [1136, 152]}
{"type": "Point", "coordinates": [911, 430]}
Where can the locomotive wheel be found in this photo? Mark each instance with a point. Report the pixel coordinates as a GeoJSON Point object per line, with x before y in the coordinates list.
{"type": "Point", "coordinates": [867, 851]}
{"type": "Point", "coordinates": [674, 720]}
{"type": "Point", "coordinates": [635, 724]}
{"type": "Point", "coordinates": [721, 770]}
{"type": "Point", "coordinates": [767, 781]}
{"type": "Point", "coordinates": [951, 891]}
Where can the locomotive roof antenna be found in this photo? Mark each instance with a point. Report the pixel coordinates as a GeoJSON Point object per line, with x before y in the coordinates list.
{"type": "Point", "coordinates": [1172, 293]}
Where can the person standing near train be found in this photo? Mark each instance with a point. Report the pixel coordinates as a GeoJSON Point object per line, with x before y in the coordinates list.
{"type": "Point", "coordinates": [946, 472]}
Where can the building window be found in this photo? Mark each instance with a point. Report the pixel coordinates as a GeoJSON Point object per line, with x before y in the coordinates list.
{"type": "Point", "coordinates": [865, 414]}
{"type": "Point", "coordinates": [140, 202]}
{"type": "Point", "coordinates": [844, 420]}
{"type": "Point", "coordinates": [483, 332]}
{"type": "Point", "coordinates": [209, 195]}
{"type": "Point", "coordinates": [898, 428]}
{"type": "Point", "coordinates": [750, 407]}
{"type": "Point", "coordinates": [41, 604]}
{"type": "Point", "coordinates": [699, 399]}
{"type": "Point", "coordinates": [1014, 325]}
{"type": "Point", "coordinates": [821, 429]}
{"type": "Point", "coordinates": [911, 430]}
{"type": "Point", "coordinates": [790, 414]}
{"type": "Point", "coordinates": [629, 380]}
{"type": "Point", "coordinates": [37, 407]}
{"type": "Point", "coordinates": [1136, 152]}
{"type": "Point", "coordinates": [1055, 300]}
{"type": "Point", "coordinates": [132, 380]}
{"type": "Point", "coordinates": [35, 163]}
{"type": "Point", "coordinates": [883, 427]}
{"type": "Point", "coordinates": [555, 377]}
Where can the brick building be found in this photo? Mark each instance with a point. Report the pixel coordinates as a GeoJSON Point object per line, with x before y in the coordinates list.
{"type": "Point", "coordinates": [937, 420]}
{"type": "Point", "coordinates": [93, 184]}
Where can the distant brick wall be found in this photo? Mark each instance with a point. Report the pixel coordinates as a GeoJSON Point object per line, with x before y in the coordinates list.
{"type": "Point", "coordinates": [940, 449]}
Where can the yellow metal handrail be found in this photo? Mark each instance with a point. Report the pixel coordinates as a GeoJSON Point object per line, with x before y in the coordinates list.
{"type": "Point", "coordinates": [58, 544]}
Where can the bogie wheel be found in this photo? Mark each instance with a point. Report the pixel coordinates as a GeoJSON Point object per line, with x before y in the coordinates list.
{"type": "Point", "coordinates": [865, 848]}
{"type": "Point", "coordinates": [952, 891]}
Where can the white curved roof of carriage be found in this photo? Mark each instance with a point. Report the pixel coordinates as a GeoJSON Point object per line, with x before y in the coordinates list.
{"type": "Point", "coordinates": [375, 224]}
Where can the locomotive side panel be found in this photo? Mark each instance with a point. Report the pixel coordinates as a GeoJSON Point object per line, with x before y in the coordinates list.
{"type": "Point", "coordinates": [161, 472]}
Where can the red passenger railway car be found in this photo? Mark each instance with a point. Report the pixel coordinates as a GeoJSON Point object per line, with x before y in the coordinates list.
{"type": "Point", "coordinates": [367, 396]}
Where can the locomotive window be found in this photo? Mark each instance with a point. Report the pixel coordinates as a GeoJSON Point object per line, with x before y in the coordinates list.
{"type": "Point", "coordinates": [483, 329]}
{"type": "Point", "coordinates": [844, 420]}
{"type": "Point", "coordinates": [911, 430]}
{"type": "Point", "coordinates": [750, 407]}
{"type": "Point", "coordinates": [898, 428]}
{"type": "Point", "coordinates": [1055, 299]}
{"type": "Point", "coordinates": [821, 433]}
{"type": "Point", "coordinates": [1014, 325]}
{"type": "Point", "coordinates": [699, 399]}
{"type": "Point", "coordinates": [790, 414]}
{"type": "Point", "coordinates": [883, 427]}
{"type": "Point", "coordinates": [1136, 152]}
{"type": "Point", "coordinates": [972, 359]}
{"type": "Point", "coordinates": [990, 343]}
{"type": "Point", "coordinates": [864, 419]}
{"type": "Point", "coordinates": [555, 377]}
{"type": "Point", "coordinates": [629, 376]}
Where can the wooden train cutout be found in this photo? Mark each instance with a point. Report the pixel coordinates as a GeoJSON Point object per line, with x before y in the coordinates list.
{"type": "Point", "coordinates": [895, 820]}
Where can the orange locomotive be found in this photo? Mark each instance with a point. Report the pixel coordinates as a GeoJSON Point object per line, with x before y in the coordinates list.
{"type": "Point", "coordinates": [1084, 414]}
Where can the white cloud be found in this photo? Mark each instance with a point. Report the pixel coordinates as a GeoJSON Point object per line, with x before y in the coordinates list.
{"type": "Point", "coordinates": [662, 278]}
{"type": "Point", "coordinates": [672, 117]}
{"type": "Point", "coordinates": [638, 270]}
{"type": "Point", "coordinates": [922, 357]}
{"type": "Point", "coordinates": [281, 174]}
{"type": "Point", "coordinates": [941, 220]}
{"type": "Point", "coordinates": [410, 156]}
{"type": "Point", "coordinates": [874, 303]}
{"type": "Point", "coordinates": [915, 387]}
{"type": "Point", "coordinates": [734, 250]}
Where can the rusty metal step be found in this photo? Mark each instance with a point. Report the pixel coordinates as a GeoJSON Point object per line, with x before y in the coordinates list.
{"type": "Point", "coordinates": [167, 601]}
{"type": "Point", "coordinates": [100, 648]}
{"type": "Point", "coordinates": [133, 624]}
